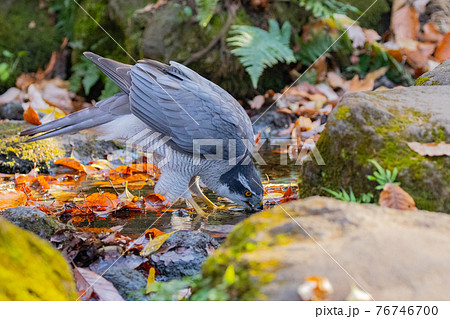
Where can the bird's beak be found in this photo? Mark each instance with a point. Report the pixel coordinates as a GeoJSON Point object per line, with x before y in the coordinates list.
{"type": "Point", "coordinates": [254, 208]}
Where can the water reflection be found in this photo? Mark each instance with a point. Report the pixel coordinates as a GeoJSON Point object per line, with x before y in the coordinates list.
{"type": "Point", "coordinates": [218, 222]}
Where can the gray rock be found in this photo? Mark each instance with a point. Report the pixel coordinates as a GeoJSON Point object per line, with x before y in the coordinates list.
{"type": "Point", "coordinates": [130, 283]}
{"type": "Point", "coordinates": [392, 254]}
{"type": "Point", "coordinates": [33, 220]}
{"type": "Point", "coordinates": [182, 254]}
{"type": "Point", "coordinates": [378, 125]}
{"type": "Point", "coordinates": [440, 75]}
{"type": "Point", "coordinates": [11, 111]}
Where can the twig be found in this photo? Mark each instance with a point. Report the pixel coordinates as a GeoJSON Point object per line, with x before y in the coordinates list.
{"type": "Point", "coordinates": [223, 31]}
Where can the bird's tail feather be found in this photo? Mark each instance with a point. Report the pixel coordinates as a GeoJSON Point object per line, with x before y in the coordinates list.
{"type": "Point", "coordinates": [81, 120]}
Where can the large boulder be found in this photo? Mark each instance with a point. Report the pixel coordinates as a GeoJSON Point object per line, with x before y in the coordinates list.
{"type": "Point", "coordinates": [440, 75]}
{"type": "Point", "coordinates": [30, 269]}
{"type": "Point", "coordinates": [378, 125]}
{"type": "Point", "coordinates": [392, 254]}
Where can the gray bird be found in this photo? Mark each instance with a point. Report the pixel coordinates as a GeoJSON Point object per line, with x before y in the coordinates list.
{"type": "Point", "coordinates": [172, 111]}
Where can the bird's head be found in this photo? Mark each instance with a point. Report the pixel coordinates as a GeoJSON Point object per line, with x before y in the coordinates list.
{"type": "Point", "coordinates": [243, 186]}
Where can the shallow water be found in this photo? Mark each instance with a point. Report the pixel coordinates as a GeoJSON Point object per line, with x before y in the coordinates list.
{"type": "Point", "coordinates": [218, 223]}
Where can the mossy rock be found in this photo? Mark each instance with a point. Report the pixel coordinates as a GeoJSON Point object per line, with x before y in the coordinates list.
{"type": "Point", "coordinates": [16, 35]}
{"type": "Point", "coordinates": [378, 125]}
{"type": "Point", "coordinates": [272, 252]}
{"type": "Point", "coordinates": [19, 157]}
{"type": "Point", "coordinates": [440, 75]}
{"type": "Point", "coordinates": [34, 220]}
{"type": "Point", "coordinates": [16, 156]}
{"type": "Point", "coordinates": [30, 269]}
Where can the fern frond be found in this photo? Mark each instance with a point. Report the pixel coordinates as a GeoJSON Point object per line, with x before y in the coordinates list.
{"type": "Point", "coordinates": [205, 11]}
{"type": "Point", "coordinates": [258, 49]}
{"type": "Point", "coordinates": [312, 49]}
{"type": "Point", "coordinates": [327, 8]}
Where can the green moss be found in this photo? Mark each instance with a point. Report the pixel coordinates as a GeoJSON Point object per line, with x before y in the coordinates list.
{"type": "Point", "coordinates": [347, 162]}
{"type": "Point", "coordinates": [245, 248]}
{"type": "Point", "coordinates": [30, 269]}
{"type": "Point", "coordinates": [343, 112]}
{"type": "Point", "coordinates": [18, 156]}
{"type": "Point", "coordinates": [421, 81]}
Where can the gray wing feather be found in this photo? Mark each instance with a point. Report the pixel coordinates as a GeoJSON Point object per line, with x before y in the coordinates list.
{"type": "Point", "coordinates": [103, 112]}
{"type": "Point", "coordinates": [173, 99]}
{"type": "Point", "coordinates": [118, 72]}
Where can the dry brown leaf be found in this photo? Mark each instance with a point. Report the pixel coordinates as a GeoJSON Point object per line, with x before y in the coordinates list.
{"type": "Point", "coordinates": [371, 35]}
{"type": "Point", "coordinates": [31, 116]}
{"type": "Point", "coordinates": [335, 81]}
{"type": "Point", "coordinates": [257, 102]}
{"type": "Point", "coordinates": [430, 149]}
{"type": "Point", "coordinates": [431, 33]}
{"type": "Point", "coordinates": [443, 50]}
{"type": "Point", "coordinates": [94, 287]}
{"type": "Point", "coordinates": [57, 97]}
{"type": "Point", "coordinates": [405, 22]}
{"type": "Point", "coordinates": [393, 196]}
{"type": "Point", "coordinates": [368, 83]}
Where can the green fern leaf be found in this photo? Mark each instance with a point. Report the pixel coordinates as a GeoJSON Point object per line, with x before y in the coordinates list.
{"type": "Point", "coordinates": [205, 11]}
{"type": "Point", "coordinates": [258, 49]}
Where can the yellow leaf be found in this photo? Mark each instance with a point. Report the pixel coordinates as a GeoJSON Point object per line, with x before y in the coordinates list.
{"type": "Point", "coordinates": [150, 281]}
{"type": "Point", "coordinates": [154, 244]}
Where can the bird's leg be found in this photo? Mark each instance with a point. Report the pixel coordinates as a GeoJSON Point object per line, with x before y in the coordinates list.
{"type": "Point", "coordinates": [196, 190]}
{"type": "Point", "coordinates": [197, 208]}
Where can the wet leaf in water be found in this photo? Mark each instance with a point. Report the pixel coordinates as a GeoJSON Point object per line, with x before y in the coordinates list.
{"type": "Point", "coordinates": [72, 163]}
{"type": "Point", "coordinates": [393, 196]}
{"type": "Point", "coordinates": [94, 287]}
{"type": "Point", "coordinates": [102, 201]}
{"type": "Point", "coordinates": [12, 198]}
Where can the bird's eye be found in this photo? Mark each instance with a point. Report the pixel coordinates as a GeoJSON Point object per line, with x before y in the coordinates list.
{"type": "Point", "coordinates": [248, 193]}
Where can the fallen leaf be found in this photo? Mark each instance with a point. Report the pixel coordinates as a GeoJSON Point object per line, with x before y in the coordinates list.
{"type": "Point", "coordinates": [12, 198]}
{"type": "Point", "coordinates": [393, 196]}
{"type": "Point", "coordinates": [357, 294]}
{"type": "Point", "coordinates": [94, 286]}
{"type": "Point", "coordinates": [315, 289]}
{"type": "Point", "coordinates": [430, 149]}
{"type": "Point", "coordinates": [257, 102]}
{"type": "Point", "coordinates": [443, 49]}
{"type": "Point", "coordinates": [368, 83]}
{"type": "Point", "coordinates": [153, 233]}
{"type": "Point", "coordinates": [405, 22]}
{"type": "Point", "coordinates": [154, 244]}
{"type": "Point", "coordinates": [57, 97]}
{"type": "Point", "coordinates": [150, 280]}
{"type": "Point", "coordinates": [371, 35]}
{"type": "Point", "coordinates": [335, 81]}
{"type": "Point", "coordinates": [102, 201]}
{"type": "Point", "coordinates": [31, 116]}
{"type": "Point", "coordinates": [431, 33]}
{"type": "Point", "coordinates": [72, 163]}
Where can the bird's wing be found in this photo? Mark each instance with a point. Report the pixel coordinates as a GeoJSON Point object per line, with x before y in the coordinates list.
{"type": "Point", "coordinates": [181, 104]}
{"type": "Point", "coordinates": [103, 112]}
{"type": "Point", "coordinates": [118, 72]}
